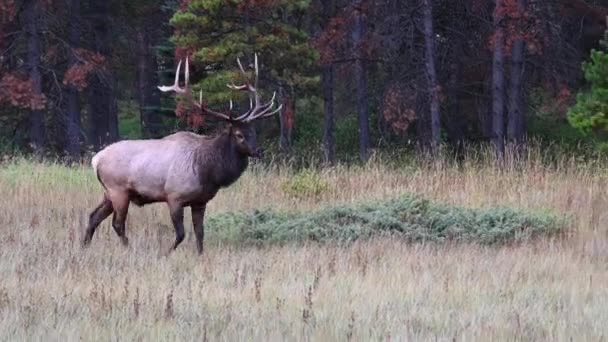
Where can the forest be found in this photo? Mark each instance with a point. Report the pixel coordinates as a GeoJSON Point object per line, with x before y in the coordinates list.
{"type": "Point", "coordinates": [354, 77]}
{"type": "Point", "coordinates": [436, 170]}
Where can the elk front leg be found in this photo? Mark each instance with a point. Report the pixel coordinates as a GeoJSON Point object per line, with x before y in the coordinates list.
{"type": "Point", "coordinates": [198, 216]}
{"type": "Point", "coordinates": [177, 217]}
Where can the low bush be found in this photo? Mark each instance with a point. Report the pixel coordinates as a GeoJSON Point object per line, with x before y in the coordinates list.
{"type": "Point", "coordinates": [409, 217]}
{"type": "Point", "coordinates": [306, 183]}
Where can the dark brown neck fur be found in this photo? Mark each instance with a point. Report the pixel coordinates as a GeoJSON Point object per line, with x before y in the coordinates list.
{"type": "Point", "coordinates": [218, 162]}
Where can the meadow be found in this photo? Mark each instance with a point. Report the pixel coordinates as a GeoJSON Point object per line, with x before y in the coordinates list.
{"type": "Point", "coordinates": [375, 288]}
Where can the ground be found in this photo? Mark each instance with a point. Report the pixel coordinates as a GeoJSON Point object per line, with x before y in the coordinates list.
{"type": "Point", "coordinates": [382, 289]}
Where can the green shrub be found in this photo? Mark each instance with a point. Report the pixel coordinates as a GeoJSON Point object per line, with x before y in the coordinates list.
{"type": "Point", "coordinates": [408, 217]}
{"type": "Point", "coordinates": [590, 113]}
{"type": "Point", "coordinates": [307, 183]}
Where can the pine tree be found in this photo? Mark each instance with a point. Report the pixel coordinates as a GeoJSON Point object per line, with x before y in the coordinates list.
{"type": "Point", "coordinates": [213, 33]}
{"type": "Point", "coordinates": [590, 113]}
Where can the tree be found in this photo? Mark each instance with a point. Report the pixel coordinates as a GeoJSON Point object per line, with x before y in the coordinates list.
{"type": "Point", "coordinates": [590, 113]}
{"type": "Point", "coordinates": [429, 38]}
{"type": "Point", "coordinates": [103, 115]}
{"type": "Point", "coordinates": [32, 22]}
{"type": "Point", "coordinates": [213, 33]}
{"type": "Point", "coordinates": [148, 32]}
{"type": "Point", "coordinates": [361, 78]}
{"type": "Point", "coordinates": [515, 124]}
{"type": "Point", "coordinates": [498, 82]}
{"type": "Point", "coordinates": [73, 124]}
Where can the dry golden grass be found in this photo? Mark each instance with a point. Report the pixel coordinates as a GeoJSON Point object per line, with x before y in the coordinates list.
{"type": "Point", "coordinates": [50, 289]}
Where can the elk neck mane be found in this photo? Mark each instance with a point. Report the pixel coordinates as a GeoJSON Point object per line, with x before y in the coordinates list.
{"type": "Point", "coordinates": [217, 159]}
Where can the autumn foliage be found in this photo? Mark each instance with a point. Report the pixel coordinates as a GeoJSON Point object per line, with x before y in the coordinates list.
{"type": "Point", "coordinates": [518, 23]}
{"type": "Point", "coordinates": [398, 108]}
{"type": "Point", "coordinates": [19, 92]}
{"type": "Point", "coordinates": [88, 62]}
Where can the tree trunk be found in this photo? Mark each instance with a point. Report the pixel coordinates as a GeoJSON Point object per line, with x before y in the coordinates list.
{"type": "Point", "coordinates": [361, 81]}
{"type": "Point", "coordinates": [429, 39]}
{"type": "Point", "coordinates": [73, 108]}
{"type": "Point", "coordinates": [515, 124]}
{"type": "Point", "coordinates": [329, 148]}
{"type": "Point", "coordinates": [36, 117]}
{"type": "Point", "coordinates": [103, 117]}
{"type": "Point", "coordinates": [285, 121]}
{"type": "Point", "coordinates": [147, 81]}
{"type": "Point", "coordinates": [498, 86]}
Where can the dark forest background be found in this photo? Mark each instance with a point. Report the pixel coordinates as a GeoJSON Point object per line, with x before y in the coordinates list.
{"type": "Point", "coordinates": [354, 76]}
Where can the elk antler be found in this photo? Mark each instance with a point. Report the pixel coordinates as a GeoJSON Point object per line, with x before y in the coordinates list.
{"type": "Point", "coordinates": [254, 112]}
{"type": "Point", "coordinates": [187, 92]}
{"type": "Point", "coordinates": [260, 110]}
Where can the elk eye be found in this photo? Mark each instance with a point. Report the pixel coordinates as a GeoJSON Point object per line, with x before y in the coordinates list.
{"type": "Point", "coordinates": [239, 136]}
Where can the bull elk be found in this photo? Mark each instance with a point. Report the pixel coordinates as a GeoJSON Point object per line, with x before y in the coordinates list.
{"type": "Point", "coordinates": [183, 169]}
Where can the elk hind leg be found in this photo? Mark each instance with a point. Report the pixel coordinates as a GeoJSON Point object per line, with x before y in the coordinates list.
{"type": "Point", "coordinates": [100, 213]}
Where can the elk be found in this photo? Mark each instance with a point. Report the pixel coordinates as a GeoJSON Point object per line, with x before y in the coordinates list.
{"type": "Point", "coordinates": [183, 169]}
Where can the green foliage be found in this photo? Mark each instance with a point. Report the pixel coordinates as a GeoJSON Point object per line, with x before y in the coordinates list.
{"type": "Point", "coordinates": [555, 130]}
{"type": "Point", "coordinates": [347, 135]}
{"type": "Point", "coordinates": [129, 120]}
{"type": "Point", "coordinates": [219, 31]}
{"type": "Point", "coordinates": [308, 130]}
{"type": "Point", "coordinates": [590, 113]}
{"type": "Point", "coordinates": [307, 183]}
{"type": "Point", "coordinates": [409, 217]}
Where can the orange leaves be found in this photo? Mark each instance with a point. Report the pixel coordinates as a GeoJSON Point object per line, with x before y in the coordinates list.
{"type": "Point", "coordinates": [8, 10]}
{"type": "Point", "coordinates": [191, 115]}
{"type": "Point", "coordinates": [88, 61]}
{"type": "Point", "coordinates": [518, 23]}
{"type": "Point", "coordinates": [331, 39]}
{"type": "Point", "coordinates": [559, 102]}
{"type": "Point", "coordinates": [19, 92]}
{"type": "Point", "coordinates": [397, 110]}
{"type": "Point", "coordinates": [288, 113]}
{"type": "Point", "coordinates": [335, 38]}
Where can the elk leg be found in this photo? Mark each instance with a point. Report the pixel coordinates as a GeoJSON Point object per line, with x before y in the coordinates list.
{"type": "Point", "coordinates": [177, 217]}
{"type": "Point", "coordinates": [100, 213]}
{"type": "Point", "coordinates": [198, 215]}
{"type": "Point", "coordinates": [121, 208]}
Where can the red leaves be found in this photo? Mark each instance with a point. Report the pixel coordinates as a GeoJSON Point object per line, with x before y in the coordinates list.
{"type": "Point", "coordinates": [335, 37]}
{"type": "Point", "coordinates": [559, 103]}
{"type": "Point", "coordinates": [397, 109]}
{"type": "Point", "coordinates": [183, 4]}
{"type": "Point", "coordinates": [19, 92]}
{"type": "Point", "coordinates": [288, 113]}
{"type": "Point", "coordinates": [191, 115]}
{"type": "Point", "coordinates": [88, 61]}
{"type": "Point", "coordinates": [8, 10]}
{"type": "Point", "coordinates": [332, 38]}
{"type": "Point", "coordinates": [518, 24]}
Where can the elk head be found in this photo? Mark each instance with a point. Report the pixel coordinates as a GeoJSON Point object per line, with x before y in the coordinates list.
{"type": "Point", "coordinates": [240, 129]}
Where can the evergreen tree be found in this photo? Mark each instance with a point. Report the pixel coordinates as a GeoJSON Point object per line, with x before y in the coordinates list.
{"type": "Point", "coordinates": [590, 113]}
{"type": "Point", "coordinates": [213, 33]}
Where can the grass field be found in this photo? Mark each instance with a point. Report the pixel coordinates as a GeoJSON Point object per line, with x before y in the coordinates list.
{"type": "Point", "coordinates": [378, 289]}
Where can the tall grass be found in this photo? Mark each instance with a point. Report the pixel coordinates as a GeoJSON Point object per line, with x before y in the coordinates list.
{"type": "Point", "coordinates": [376, 289]}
